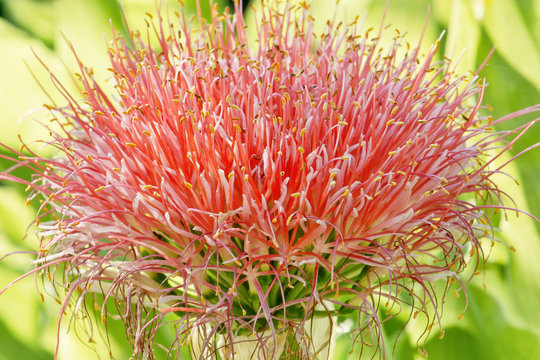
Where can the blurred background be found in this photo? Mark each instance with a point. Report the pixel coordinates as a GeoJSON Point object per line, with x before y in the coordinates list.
{"type": "Point", "coordinates": [502, 320]}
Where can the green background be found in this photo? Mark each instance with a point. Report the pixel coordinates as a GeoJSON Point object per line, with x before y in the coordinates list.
{"type": "Point", "coordinates": [502, 320]}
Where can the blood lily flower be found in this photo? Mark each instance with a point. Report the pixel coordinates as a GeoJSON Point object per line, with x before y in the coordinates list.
{"type": "Point", "coordinates": [250, 193]}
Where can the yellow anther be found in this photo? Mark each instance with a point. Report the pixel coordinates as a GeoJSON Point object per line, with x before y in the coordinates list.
{"type": "Point", "coordinates": [289, 219]}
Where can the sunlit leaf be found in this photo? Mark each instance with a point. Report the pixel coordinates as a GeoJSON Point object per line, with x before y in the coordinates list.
{"type": "Point", "coordinates": [22, 107]}
{"type": "Point", "coordinates": [463, 35]}
{"type": "Point", "coordinates": [86, 25]}
{"type": "Point", "coordinates": [522, 281]}
{"type": "Point", "coordinates": [514, 41]}
{"type": "Point", "coordinates": [34, 16]}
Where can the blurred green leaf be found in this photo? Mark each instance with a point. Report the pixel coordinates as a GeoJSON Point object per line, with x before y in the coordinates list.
{"type": "Point", "coordinates": [21, 108]}
{"type": "Point", "coordinates": [463, 35]}
{"type": "Point", "coordinates": [13, 348]}
{"type": "Point", "coordinates": [491, 337]}
{"type": "Point", "coordinates": [458, 343]}
{"type": "Point", "coordinates": [508, 91]}
{"type": "Point", "coordinates": [14, 219]}
{"type": "Point", "coordinates": [87, 25]}
{"type": "Point", "coordinates": [34, 16]}
{"type": "Point", "coordinates": [522, 280]}
{"type": "Point", "coordinates": [509, 32]}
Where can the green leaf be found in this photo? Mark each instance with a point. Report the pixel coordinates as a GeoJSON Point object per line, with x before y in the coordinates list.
{"type": "Point", "coordinates": [463, 35]}
{"type": "Point", "coordinates": [87, 25]}
{"type": "Point", "coordinates": [36, 17]}
{"type": "Point", "coordinates": [23, 106]}
{"type": "Point", "coordinates": [14, 219]}
{"type": "Point", "coordinates": [13, 348]}
{"type": "Point", "coordinates": [489, 335]}
{"type": "Point", "coordinates": [508, 91]}
{"type": "Point", "coordinates": [524, 272]}
{"type": "Point", "coordinates": [509, 32]}
{"type": "Point", "coordinates": [458, 343]}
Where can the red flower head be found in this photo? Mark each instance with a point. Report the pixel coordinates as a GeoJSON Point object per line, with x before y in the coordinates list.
{"type": "Point", "coordinates": [241, 190]}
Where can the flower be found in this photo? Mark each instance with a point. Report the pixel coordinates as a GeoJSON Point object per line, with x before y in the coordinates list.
{"type": "Point", "coordinates": [247, 193]}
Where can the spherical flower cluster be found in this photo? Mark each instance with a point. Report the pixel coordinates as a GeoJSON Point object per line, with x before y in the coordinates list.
{"type": "Point", "coordinates": [249, 190]}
